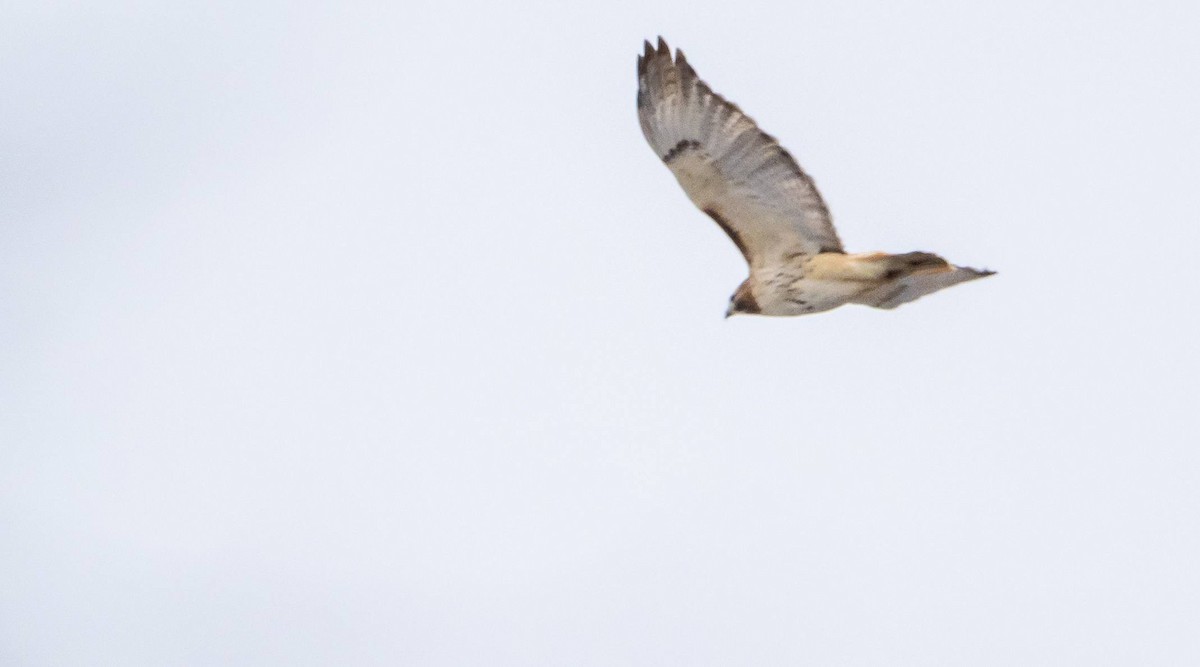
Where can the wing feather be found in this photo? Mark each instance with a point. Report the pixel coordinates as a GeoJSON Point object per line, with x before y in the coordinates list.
{"type": "Point", "coordinates": [731, 170]}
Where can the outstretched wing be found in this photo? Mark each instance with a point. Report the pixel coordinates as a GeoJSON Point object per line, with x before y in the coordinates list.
{"type": "Point", "coordinates": [733, 171]}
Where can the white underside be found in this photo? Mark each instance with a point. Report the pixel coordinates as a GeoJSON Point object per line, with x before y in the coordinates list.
{"type": "Point", "coordinates": [834, 280]}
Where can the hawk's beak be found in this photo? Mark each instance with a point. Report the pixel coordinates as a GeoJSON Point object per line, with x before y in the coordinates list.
{"type": "Point", "coordinates": [729, 311]}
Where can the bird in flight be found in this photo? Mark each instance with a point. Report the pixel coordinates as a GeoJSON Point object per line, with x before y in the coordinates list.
{"type": "Point", "coordinates": [752, 187]}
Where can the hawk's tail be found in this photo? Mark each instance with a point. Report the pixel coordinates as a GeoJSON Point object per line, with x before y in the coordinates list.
{"type": "Point", "coordinates": [911, 262]}
{"type": "Point", "coordinates": [913, 275]}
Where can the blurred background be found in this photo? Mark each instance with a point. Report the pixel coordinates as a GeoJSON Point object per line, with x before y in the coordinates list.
{"type": "Point", "coordinates": [374, 334]}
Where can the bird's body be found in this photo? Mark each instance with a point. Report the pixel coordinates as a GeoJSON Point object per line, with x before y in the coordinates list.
{"type": "Point", "coordinates": [804, 285]}
{"type": "Point", "coordinates": [755, 191]}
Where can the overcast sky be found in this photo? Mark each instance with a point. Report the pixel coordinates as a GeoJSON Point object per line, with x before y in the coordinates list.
{"type": "Point", "coordinates": [366, 334]}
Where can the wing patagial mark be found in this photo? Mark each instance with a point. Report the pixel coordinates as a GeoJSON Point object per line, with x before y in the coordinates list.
{"type": "Point", "coordinates": [733, 234]}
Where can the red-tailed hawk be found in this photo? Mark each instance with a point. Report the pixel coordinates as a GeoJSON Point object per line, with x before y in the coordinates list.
{"type": "Point", "coordinates": [750, 185]}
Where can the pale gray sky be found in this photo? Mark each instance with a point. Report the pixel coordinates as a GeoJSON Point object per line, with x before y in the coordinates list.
{"type": "Point", "coordinates": [369, 334]}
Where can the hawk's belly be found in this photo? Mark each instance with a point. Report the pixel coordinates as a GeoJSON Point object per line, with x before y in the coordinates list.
{"type": "Point", "coordinates": [807, 295]}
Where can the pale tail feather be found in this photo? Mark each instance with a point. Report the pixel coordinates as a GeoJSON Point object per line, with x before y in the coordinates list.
{"type": "Point", "coordinates": [918, 283]}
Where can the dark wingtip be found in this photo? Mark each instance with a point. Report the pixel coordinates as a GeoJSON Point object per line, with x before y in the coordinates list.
{"type": "Point", "coordinates": [685, 68]}
{"type": "Point", "coordinates": [645, 58]}
{"type": "Point", "coordinates": [663, 49]}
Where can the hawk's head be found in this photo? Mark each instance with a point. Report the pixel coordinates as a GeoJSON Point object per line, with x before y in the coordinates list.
{"type": "Point", "coordinates": [742, 301]}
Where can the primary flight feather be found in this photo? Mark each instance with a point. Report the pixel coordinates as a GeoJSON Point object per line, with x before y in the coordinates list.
{"type": "Point", "coordinates": [753, 188]}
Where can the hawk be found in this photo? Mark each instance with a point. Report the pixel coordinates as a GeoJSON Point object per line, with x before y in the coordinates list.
{"type": "Point", "coordinates": [752, 187]}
